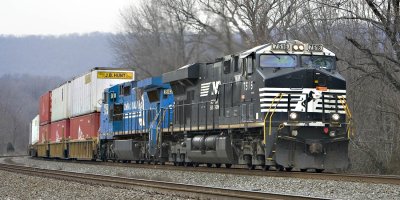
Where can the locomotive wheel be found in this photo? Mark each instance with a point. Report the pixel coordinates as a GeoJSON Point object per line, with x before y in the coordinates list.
{"type": "Point", "coordinates": [251, 167]}
{"type": "Point", "coordinates": [279, 168]}
{"type": "Point", "coordinates": [303, 170]}
{"type": "Point", "coordinates": [288, 169]}
{"type": "Point", "coordinates": [228, 165]}
{"type": "Point", "coordinates": [209, 165]}
{"type": "Point", "coordinates": [319, 170]}
{"type": "Point", "coordinates": [265, 167]}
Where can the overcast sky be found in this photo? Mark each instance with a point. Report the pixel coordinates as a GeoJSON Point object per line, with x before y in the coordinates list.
{"type": "Point", "coordinates": [56, 17]}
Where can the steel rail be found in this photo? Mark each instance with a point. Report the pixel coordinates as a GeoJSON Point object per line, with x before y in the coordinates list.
{"type": "Point", "coordinates": [9, 156]}
{"type": "Point", "coordinates": [116, 181]}
{"type": "Point", "coordinates": [362, 178]}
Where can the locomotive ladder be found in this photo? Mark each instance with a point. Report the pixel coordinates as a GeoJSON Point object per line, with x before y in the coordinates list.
{"type": "Point", "coordinates": [270, 114]}
{"type": "Point", "coordinates": [349, 118]}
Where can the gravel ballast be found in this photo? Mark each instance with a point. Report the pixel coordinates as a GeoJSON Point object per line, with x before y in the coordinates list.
{"type": "Point", "coordinates": [19, 186]}
{"type": "Point", "coordinates": [293, 186]}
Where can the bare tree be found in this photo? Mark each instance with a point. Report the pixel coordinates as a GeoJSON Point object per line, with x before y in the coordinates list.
{"type": "Point", "coordinates": [155, 39]}
{"type": "Point", "coordinates": [255, 22]}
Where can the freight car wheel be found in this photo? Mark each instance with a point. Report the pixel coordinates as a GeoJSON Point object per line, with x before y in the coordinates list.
{"type": "Point", "coordinates": [319, 170]}
{"type": "Point", "coordinates": [265, 167]}
{"type": "Point", "coordinates": [228, 165]}
{"type": "Point", "coordinates": [209, 165]}
{"type": "Point", "coordinates": [218, 165]}
{"type": "Point", "coordinates": [288, 169]}
{"type": "Point", "coordinates": [142, 162]}
{"type": "Point", "coordinates": [303, 170]}
{"type": "Point", "coordinates": [195, 164]}
{"type": "Point", "coordinates": [186, 164]}
{"type": "Point", "coordinates": [137, 162]}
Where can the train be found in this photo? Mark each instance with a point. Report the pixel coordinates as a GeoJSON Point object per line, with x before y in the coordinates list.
{"type": "Point", "coordinates": [281, 105]}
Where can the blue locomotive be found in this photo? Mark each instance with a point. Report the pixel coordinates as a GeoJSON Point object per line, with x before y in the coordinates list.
{"type": "Point", "coordinates": [132, 115]}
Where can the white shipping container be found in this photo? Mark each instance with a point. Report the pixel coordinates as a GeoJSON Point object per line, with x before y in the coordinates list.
{"type": "Point", "coordinates": [60, 102]}
{"type": "Point", "coordinates": [87, 91]}
{"type": "Point", "coordinates": [34, 133]}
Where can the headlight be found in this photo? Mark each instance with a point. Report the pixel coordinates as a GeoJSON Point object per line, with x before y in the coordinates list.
{"type": "Point", "coordinates": [301, 47]}
{"type": "Point", "coordinates": [294, 133]}
{"type": "Point", "coordinates": [293, 116]}
{"type": "Point", "coordinates": [335, 117]}
{"type": "Point", "coordinates": [295, 47]}
{"type": "Point", "coordinates": [332, 133]}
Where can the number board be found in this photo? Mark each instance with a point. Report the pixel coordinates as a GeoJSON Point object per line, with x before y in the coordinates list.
{"type": "Point", "coordinates": [167, 91]}
{"type": "Point", "coordinates": [280, 46]}
{"type": "Point", "coordinates": [315, 47]}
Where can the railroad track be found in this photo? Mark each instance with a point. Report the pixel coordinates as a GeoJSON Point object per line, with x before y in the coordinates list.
{"type": "Point", "coordinates": [377, 179]}
{"type": "Point", "coordinates": [8, 156]}
{"type": "Point", "coordinates": [115, 181]}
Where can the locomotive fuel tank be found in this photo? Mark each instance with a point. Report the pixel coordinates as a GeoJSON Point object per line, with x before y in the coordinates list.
{"type": "Point", "coordinates": [210, 149]}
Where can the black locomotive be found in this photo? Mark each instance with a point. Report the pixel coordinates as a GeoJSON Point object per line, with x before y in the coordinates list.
{"type": "Point", "coordinates": [281, 105]}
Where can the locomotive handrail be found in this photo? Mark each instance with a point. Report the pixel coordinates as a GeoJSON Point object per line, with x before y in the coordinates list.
{"type": "Point", "coordinates": [158, 129]}
{"type": "Point", "coordinates": [280, 95]}
{"type": "Point", "coordinates": [348, 114]}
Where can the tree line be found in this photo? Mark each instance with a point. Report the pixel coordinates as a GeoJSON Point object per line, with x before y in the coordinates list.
{"type": "Point", "coordinates": [19, 104]}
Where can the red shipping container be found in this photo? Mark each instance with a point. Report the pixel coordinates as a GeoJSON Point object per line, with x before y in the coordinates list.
{"type": "Point", "coordinates": [85, 126]}
{"type": "Point", "coordinates": [44, 108]}
{"type": "Point", "coordinates": [44, 132]}
{"type": "Point", "coordinates": [59, 130]}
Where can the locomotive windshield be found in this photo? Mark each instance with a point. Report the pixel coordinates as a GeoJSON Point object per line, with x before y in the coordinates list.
{"type": "Point", "coordinates": [282, 61]}
{"type": "Point", "coordinates": [324, 62]}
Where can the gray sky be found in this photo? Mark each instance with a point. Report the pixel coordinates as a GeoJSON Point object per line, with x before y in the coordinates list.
{"type": "Point", "coordinates": [56, 17]}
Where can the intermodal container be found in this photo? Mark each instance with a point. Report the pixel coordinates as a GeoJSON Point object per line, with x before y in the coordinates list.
{"type": "Point", "coordinates": [60, 102]}
{"type": "Point", "coordinates": [85, 126]}
{"type": "Point", "coordinates": [44, 133]}
{"type": "Point", "coordinates": [45, 108]}
{"type": "Point", "coordinates": [34, 133]}
{"type": "Point", "coordinates": [87, 90]}
{"type": "Point", "coordinates": [59, 130]}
